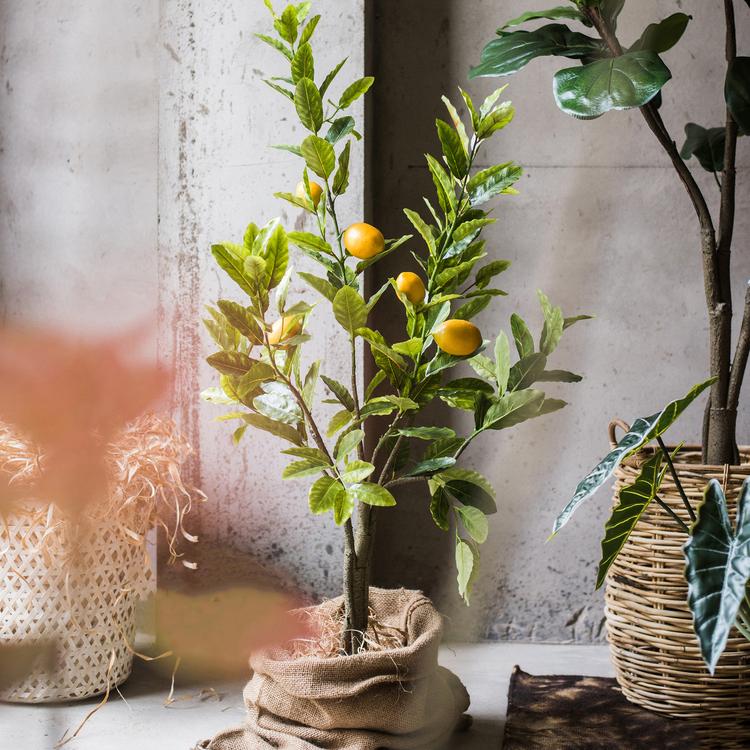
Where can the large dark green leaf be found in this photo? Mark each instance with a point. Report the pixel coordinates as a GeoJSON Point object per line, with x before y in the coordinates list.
{"type": "Point", "coordinates": [630, 80]}
{"type": "Point", "coordinates": [662, 36]}
{"type": "Point", "coordinates": [455, 155]}
{"type": "Point", "coordinates": [470, 488]}
{"type": "Point", "coordinates": [634, 499]}
{"type": "Point", "coordinates": [513, 408]}
{"type": "Point", "coordinates": [339, 129]}
{"type": "Point", "coordinates": [706, 145]}
{"type": "Point", "coordinates": [737, 92]}
{"type": "Point", "coordinates": [643, 431]}
{"type": "Point", "coordinates": [513, 50]}
{"type": "Point", "coordinates": [718, 569]}
{"type": "Point", "coordinates": [611, 10]}
{"type": "Point", "coordinates": [565, 11]}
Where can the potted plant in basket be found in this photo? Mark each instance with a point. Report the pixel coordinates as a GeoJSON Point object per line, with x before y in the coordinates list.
{"type": "Point", "coordinates": [651, 608]}
{"type": "Point", "coordinates": [372, 643]}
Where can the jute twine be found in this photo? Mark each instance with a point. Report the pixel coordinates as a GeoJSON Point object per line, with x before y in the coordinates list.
{"type": "Point", "coordinates": [73, 582]}
{"type": "Point", "coordinates": [649, 624]}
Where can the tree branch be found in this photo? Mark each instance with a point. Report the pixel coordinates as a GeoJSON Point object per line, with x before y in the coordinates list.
{"type": "Point", "coordinates": [739, 364]}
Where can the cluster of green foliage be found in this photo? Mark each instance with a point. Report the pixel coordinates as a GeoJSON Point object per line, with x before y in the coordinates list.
{"type": "Point", "coordinates": [603, 82]}
{"type": "Point", "coordinates": [277, 394]}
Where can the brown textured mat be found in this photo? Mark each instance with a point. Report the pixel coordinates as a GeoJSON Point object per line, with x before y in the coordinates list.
{"type": "Point", "coordinates": [584, 713]}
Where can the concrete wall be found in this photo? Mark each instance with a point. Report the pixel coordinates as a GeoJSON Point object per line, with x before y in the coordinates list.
{"type": "Point", "coordinates": [603, 226]}
{"type": "Point", "coordinates": [78, 153]}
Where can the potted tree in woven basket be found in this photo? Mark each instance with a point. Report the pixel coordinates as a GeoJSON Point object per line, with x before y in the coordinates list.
{"type": "Point", "coordinates": [85, 475]}
{"type": "Point", "coordinates": [678, 567]}
{"type": "Point", "coordinates": [370, 678]}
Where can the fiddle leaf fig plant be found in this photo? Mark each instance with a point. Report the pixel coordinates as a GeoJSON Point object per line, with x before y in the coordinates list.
{"type": "Point", "coordinates": [263, 372]}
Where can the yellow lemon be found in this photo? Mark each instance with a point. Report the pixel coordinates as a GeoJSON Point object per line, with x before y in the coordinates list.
{"type": "Point", "coordinates": [284, 328]}
{"type": "Point", "coordinates": [316, 191]}
{"type": "Point", "coordinates": [411, 286]}
{"type": "Point", "coordinates": [364, 241]}
{"type": "Point", "coordinates": [458, 337]}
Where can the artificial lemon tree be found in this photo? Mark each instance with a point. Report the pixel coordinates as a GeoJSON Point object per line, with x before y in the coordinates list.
{"type": "Point", "coordinates": [262, 345]}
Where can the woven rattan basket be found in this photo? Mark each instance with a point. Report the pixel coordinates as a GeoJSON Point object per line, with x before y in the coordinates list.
{"type": "Point", "coordinates": [649, 625]}
{"type": "Point", "coordinates": [76, 597]}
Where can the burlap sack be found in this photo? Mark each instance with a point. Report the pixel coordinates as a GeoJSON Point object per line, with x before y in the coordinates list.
{"type": "Point", "coordinates": [396, 699]}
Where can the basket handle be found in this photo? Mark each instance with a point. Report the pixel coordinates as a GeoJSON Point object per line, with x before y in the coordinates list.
{"type": "Point", "coordinates": [613, 425]}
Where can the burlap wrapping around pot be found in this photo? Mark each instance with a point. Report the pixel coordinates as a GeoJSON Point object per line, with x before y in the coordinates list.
{"type": "Point", "coordinates": [395, 699]}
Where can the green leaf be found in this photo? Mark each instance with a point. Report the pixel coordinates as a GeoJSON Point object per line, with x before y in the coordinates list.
{"type": "Point", "coordinates": [340, 391]}
{"type": "Point", "coordinates": [491, 182]}
{"type": "Point", "coordinates": [470, 488]}
{"type": "Point", "coordinates": [234, 266]}
{"type": "Point", "coordinates": [284, 431]}
{"type": "Point", "coordinates": [343, 508]}
{"type": "Point", "coordinates": [276, 44]}
{"type": "Point", "coordinates": [551, 405]}
{"type": "Point", "coordinates": [349, 309]}
{"type": "Point", "coordinates": [483, 366]}
{"type": "Point", "coordinates": [280, 89]}
{"type": "Point", "coordinates": [718, 569]}
{"type": "Point", "coordinates": [431, 466]}
{"type": "Point", "coordinates": [472, 308]}
{"type": "Point", "coordinates": [323, 286]}
{"type": "Point", "coordinates": [465, 567]}
{"type": "Point", "coordinates": [427, 433]}
{"type": "Point", "coordinates": [330, 77]}
{"type": "Point", "coordinates": [737, 92]}
{"type": "Point", "coordinates": [389, 361]}
{"type": "Point", "coordinates": [552, 14]}
{"type": "Point", "coordinates": [251, 382]}
{"type": "Point", "coordinates": [339, 129]}
{"type": "Point", "coordinates": [324, 494]}
{"type": "Point", "coordinates": [514, 50]}
{"type": "Point", "coordinates": [463, 392]}
{"type": "Point", "coordinates": [553, 325]}
{"type": "Point", "coordinates": [457, 123]}
{"type": "Point", "coordinates": [496, 120]}
{"type": "Point", "coordinates": [309, 106]}
{"type": "Point", "coordinates": [423, 228]}
{"type": "Point", "coordinates": [707, 145]}
{"type": "Point", "coordinates": [558, 376]}
{"type": "Point", "coordinates": [475, 523]}
{"type": "Point", "coordinates": [276, 255]}
{"type": "Point", "coordinates": [278, 404]}
{"type": "Point", "coordinates": [341, 179]}
{"type": "Point", "coordinates": [443, 184]}
{"type": "Point", "coordinates": [311, 454]}
{"type": "Point", "coordinates": [377, 379]}
{"type": "Point", "coordinates": [513, 408]}
{"type": "Point", "coordinates": [302, 9]}
{"type": "Point", "coordinates": [633, 501]}
{"type": "Point", "coordinates": [372, 494]}
{"type": "Point", "coordinates": [303, 64]}
{"type": "Point", "coordinates": [300, 469]}
{"type": "Point", "coordinates": [309, 241]}
{"type": "Point", "coordinates": [643, 431]}
{"type": "Point", "coordinates": [662, 36]}
{"type": "Point", "coordinates": [486, 273]}
{"type": "Point", "coordinates": [348, 443]}
{"type": "Point", "coordinates": [287, 24]}
{"type": "Point", "coordinates": [442, 360]}
{"type": "Point", "coordinates": [625, 82]}
{"type": "Point", "coordinates": [522, 336]}
{"type": "Point", "coordinates": [611, 10]}
{"type": "Point", "coordinates": [308, 31]}
{"type": "Point", "coordinates": [357, 471]}
{"type": "Point", "coordinates": [319, 156]}
{"type": "Point", "coordinates": [455, 155]}
{"type": "Point", "coordinates": [502, 362]}
{"type": "Point", "coordinates": [353, 92]}
{"type": "Point", "coordinates": [440, 509]}
{"type": "Point", "coordinates": [339, 420]}
{"type": "Point", "coordinates": [472, 109]}
{"type": "Point", "coordinates": [235, 364]}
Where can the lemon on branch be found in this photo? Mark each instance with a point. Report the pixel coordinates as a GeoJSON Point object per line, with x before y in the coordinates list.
{"type": "Point", "coordinates": [458, 337]}
{"type": "Point", "coordinates": [283, 329]}
{"type": "Point", "coordinates": [316, 191]}
{"type": "Point", "coordinates": [411, 286]}
{"type": "Point", "coordinates": [364, 241]}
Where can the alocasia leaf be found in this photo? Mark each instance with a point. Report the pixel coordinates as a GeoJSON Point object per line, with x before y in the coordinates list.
{"type": "Point", "coordinates": [718, 569]}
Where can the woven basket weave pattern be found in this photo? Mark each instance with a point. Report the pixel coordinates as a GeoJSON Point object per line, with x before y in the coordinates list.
{"type": "Point", "coordinates": [649, 624]}
{"type": "Point", "coordinates": [82, 603]}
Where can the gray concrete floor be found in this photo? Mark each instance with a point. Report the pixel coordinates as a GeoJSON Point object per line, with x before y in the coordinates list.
{"type": "Point", "coordinates": [142, 722]}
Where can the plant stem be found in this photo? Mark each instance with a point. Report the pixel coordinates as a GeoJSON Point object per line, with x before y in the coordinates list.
{"type": "Point", "coordinates": [673, 472]}
{"type": "Point", "coordinates": [665, 507]}
{"type": "Point", "coordinates": [719, 444]}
